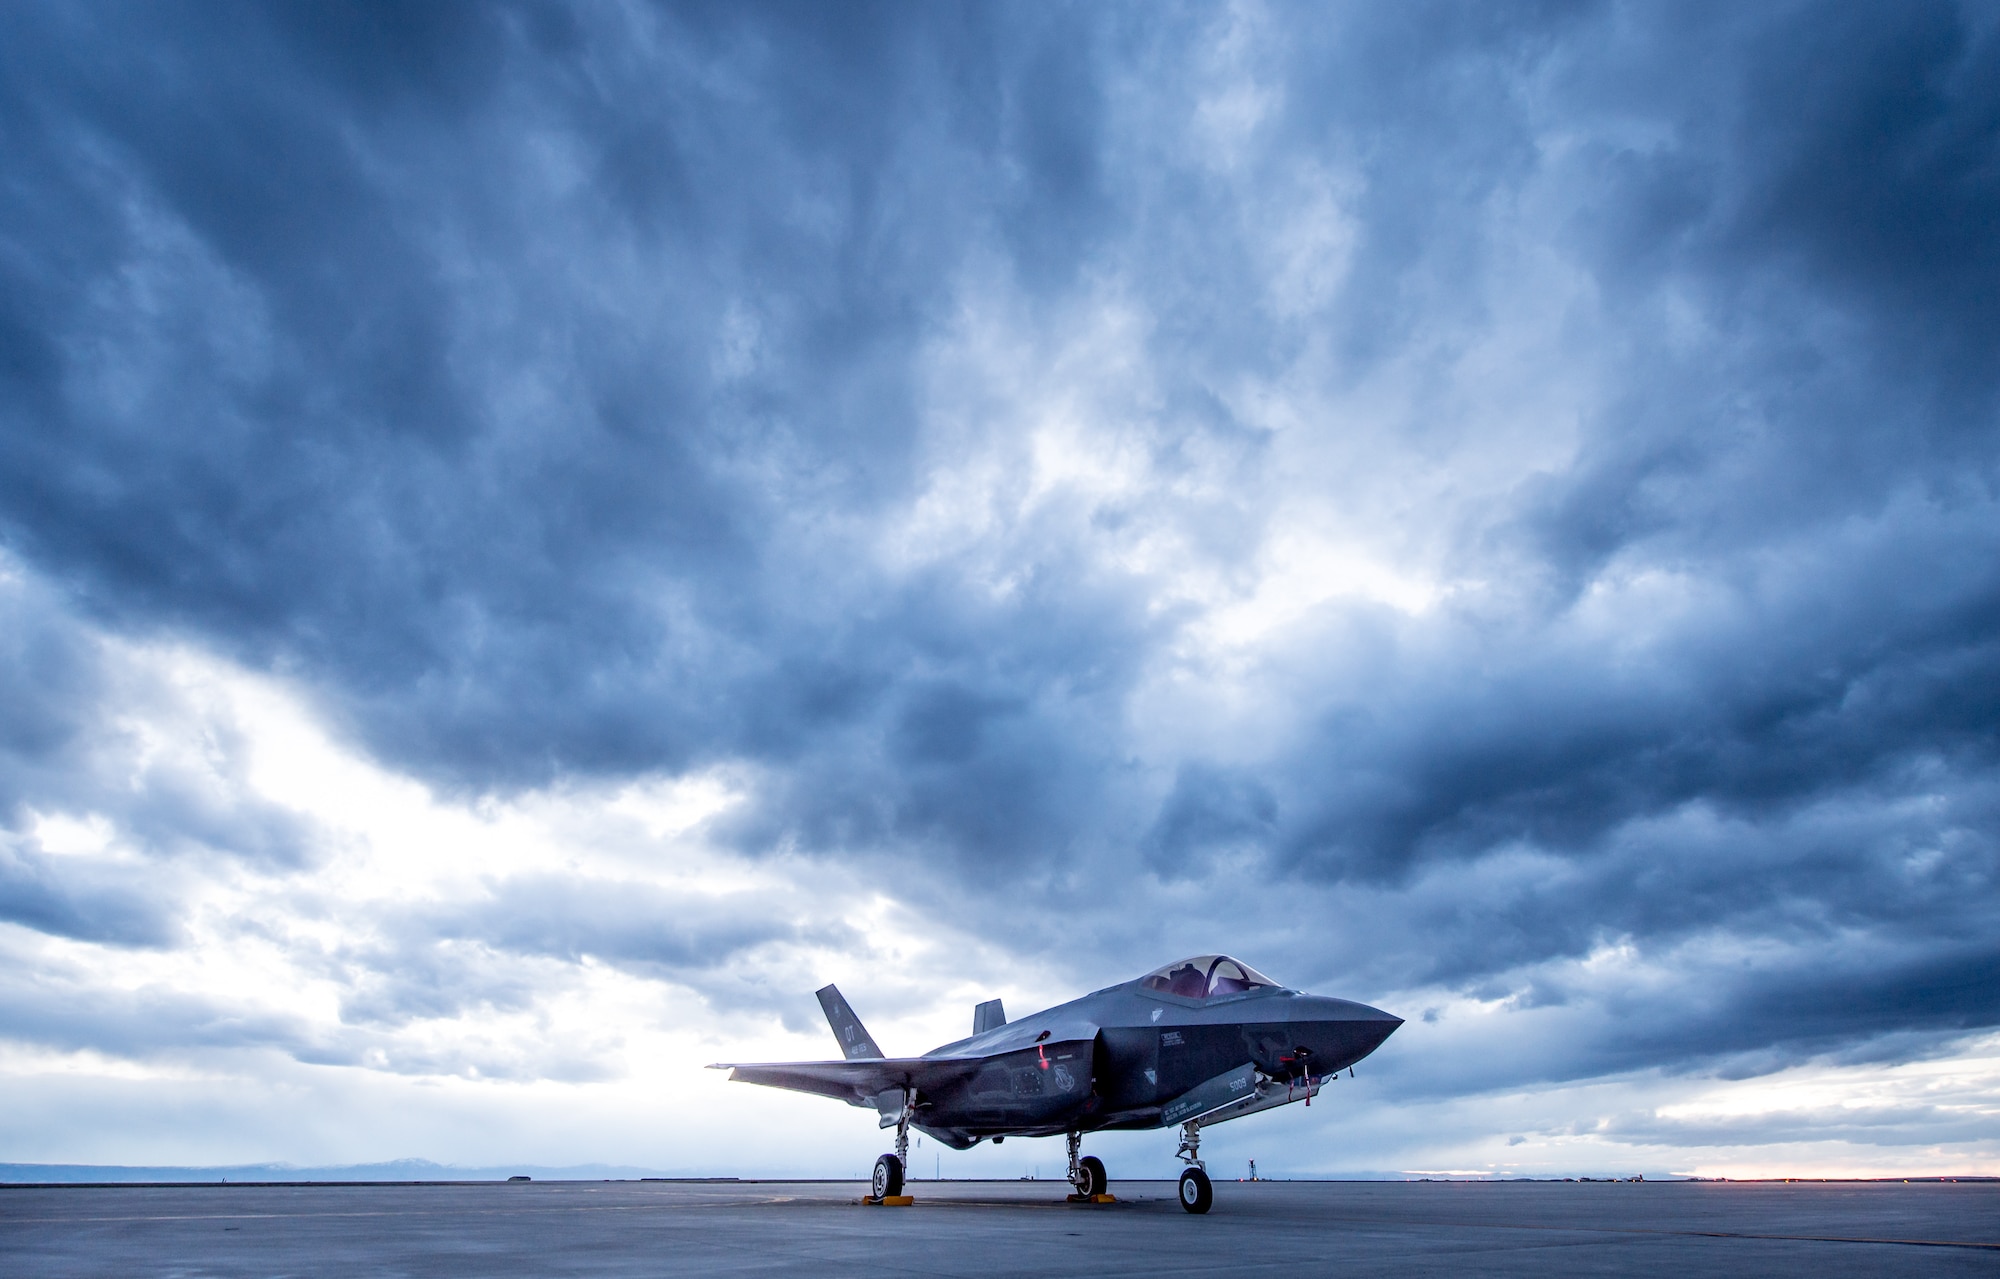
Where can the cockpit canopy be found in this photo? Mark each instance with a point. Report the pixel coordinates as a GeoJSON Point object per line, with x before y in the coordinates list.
{"type": "Point", "coordinates": [1205, 977]}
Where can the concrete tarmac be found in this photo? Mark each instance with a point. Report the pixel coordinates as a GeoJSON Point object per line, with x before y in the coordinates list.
{"type": "Point", "coordinates": [979, 1229]}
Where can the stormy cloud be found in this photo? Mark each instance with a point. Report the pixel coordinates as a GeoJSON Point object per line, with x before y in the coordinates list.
{"type": "Point", "coordinates": [1488, 507]}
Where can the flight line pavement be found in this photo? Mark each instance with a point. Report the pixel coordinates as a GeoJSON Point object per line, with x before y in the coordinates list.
{"type": "Point", "coordinates": [984, 1229]}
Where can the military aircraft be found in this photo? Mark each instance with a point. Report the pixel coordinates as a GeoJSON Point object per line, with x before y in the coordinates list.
{"type": "Point", "coordinates": [1196, 1043]}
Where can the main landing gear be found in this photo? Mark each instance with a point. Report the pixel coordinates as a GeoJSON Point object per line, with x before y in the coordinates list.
{"type": "Point", "coordinates": [1087, 1173]}
{"type": "Point", "coordinates": [1197, 1195]}
{"type": "Point", "coordinates": [888, 1176]}
{"type": "Point", "coordinates": [888, 1181]}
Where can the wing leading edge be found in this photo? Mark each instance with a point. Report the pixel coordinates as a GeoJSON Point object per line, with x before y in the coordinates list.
{"type": "Point", "coordinates": [857, 1082]}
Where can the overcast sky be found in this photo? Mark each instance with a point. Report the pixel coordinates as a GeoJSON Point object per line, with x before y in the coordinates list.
{"type": "Point", "coordinates": [532, 537]}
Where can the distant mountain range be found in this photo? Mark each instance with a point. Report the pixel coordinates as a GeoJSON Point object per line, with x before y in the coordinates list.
{"type": "Point", "coordinates": [393, 1170]}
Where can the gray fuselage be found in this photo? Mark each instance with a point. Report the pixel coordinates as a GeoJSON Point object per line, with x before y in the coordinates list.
{"type": "Point", "coordinates": [1120, 1058]}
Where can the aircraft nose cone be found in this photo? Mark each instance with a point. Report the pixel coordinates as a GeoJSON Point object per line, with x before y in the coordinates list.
{"type": "Point", "coordinates": [1348, 1031]}
{"type": "Point", "coordinates": [1382, 1027]}
{"type": "Point", "coordinates": [1375, 1025]}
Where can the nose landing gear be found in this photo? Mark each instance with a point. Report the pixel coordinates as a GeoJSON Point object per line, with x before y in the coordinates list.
{"type": "Point", "coordinates": [1197, 1195]}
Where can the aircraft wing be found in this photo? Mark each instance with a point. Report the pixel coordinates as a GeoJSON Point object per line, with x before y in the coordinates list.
{"type": "Point", "coordinates": [857, 1082]}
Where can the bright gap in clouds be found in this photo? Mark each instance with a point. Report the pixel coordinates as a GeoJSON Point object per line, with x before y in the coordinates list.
{"type": "Point", "coordinates": [466, 958]}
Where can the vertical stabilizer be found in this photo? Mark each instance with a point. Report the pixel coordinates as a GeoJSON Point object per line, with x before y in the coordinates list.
{"type": "Point", "coordinates": [988, 1016]}
{"type": "Point", "coordinates": [855, 1041]}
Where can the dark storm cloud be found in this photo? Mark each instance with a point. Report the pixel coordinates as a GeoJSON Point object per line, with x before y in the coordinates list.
{"type": "Point", "coordinates": [1855, 673]}
{"type": "Point", "coordinates": [623, 923]}
{"type": "Point", "coordinates": [318, 355]}
{"type": "Point", "coordinates": [507, 947]}
{"type": "Point", "coordinates": [437, 961]}
{"type": "Point", "coordinates": [1832, 211]}
{"type": "Point", "coordinates": [94, 905]}
{"type": "Point", "coordinates": [1908, 1125]}
{"type": "Point", "coordinates": [154, 1024]}
{"type": "Point", "coordinates": [141, 1023]}
{"type": "Point", "coordinates": [532, 382]}
{"type": "Point", "coordinates": [69, 749]}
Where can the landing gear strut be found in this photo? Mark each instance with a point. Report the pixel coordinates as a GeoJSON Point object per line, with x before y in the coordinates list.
{"type": "Point", "coordinates": [1087, 1173]}
{"type": "Point", "coordinates": [1197, 1195]}
{"type": "Point", "coordinates": [889, 1168]}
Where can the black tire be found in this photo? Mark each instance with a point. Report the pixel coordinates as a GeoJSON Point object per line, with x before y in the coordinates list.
{"type": "Point", "coordinates": [1196, 1194]}
{"type": "Point", "coordinates": [1090, 1179]}
{"type": "Point", "coordinates": [888, 1177]}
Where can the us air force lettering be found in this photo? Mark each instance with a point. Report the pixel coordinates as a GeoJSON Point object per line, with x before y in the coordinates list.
{"type": "Point", "coordinates": [1196, 1043]}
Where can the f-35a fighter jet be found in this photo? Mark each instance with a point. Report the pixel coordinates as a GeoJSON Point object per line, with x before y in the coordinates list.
{"type": "Point", "coordinates": [1196, 1043]}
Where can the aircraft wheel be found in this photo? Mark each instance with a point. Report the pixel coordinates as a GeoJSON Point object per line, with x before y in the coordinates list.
{"type": "Point", "coordinates": [1090, 1178]}
{"type": "Point", "coordinates": [1196, 1194]}
{"type": "Point", "coordinates": [888, 1177]}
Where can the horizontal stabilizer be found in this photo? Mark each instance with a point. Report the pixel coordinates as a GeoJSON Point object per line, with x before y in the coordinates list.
{"type": "Point", "coordinates": [988, 1016]}
{"type": "Point", "coordinates": [855, 1041]}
